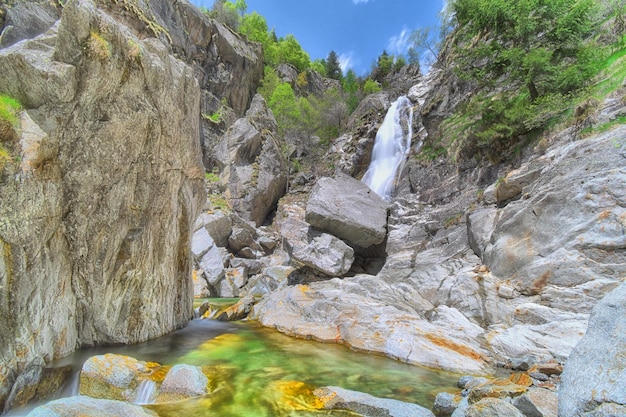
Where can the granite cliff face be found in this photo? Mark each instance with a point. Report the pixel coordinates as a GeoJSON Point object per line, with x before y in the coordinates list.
{"type": "Point", "coordinates": [106, 180]}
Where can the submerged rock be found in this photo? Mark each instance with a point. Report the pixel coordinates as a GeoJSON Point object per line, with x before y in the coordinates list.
{"type": "Point", "coordinates": [368, 405]}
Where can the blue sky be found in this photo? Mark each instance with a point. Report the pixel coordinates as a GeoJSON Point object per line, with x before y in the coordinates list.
{"type": "Point", "coordinates": [357, 30]}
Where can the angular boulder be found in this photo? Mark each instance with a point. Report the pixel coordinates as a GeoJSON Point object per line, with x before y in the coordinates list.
{"type": "Point", "coordinates": [594, 376]}
{"type": "Point", "coordinates": [325, 253]}
{"type": "Point", "coordinates": [256, 172]}
{"type": "Point", "coordinates": [345, 207]}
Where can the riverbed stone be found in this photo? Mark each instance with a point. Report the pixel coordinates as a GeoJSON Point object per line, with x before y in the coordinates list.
{"type": "Point", "coordinates": [181, 382]}
{"type": "Point", "coordinates": [113, 377]}
{"type": "Point", "coordinates": [595, 375]}
{"type": "Point", "coordinates": [492, 407]}
{"type": "Point", "coordinates": [84, 406]}
{"type": "Point", "coordinates": [348, 209]}
{"type": "Point", "coordinates": [537, 402]}
{"type": "Point", "coordinates": [368, 405]}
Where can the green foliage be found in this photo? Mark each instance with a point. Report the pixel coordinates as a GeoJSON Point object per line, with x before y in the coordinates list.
{"type": "Point", "coordinates": [212, 177]}
{"type": "Point", "coordinates": [227, 13]}
{"type": "Point", "coordinates": [9, 109]}
{"type": "Point", "coordinates": [350, 85]}
{"type": "Point", "coordinates": [269, 83]}
{"type": "Point", "coordinates": [333, 69]}
{"type": "Point", "coordinates": [319, 65]}
{"type": "Point", "coordinates": [98, 46]}
{"type": "Point", "coordinates": [370, 86]}
{"type": "Point", "coordinates": [284, 105]}
{"type": "Point", "coordinates": [537, 43]}
{"type": "Point", "coordinates": [290, 52]}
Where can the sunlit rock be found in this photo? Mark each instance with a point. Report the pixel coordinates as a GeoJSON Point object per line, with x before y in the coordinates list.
{"type": "Point", "coordinates": [90, 407]}
{"type": "Point", "coordinates": [348, 209]}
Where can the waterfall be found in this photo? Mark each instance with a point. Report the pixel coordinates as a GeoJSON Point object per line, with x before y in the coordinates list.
{"type": "Point", "coordinates": [145, 391]}
{"type": "Point", "coordinates": [393, 142]}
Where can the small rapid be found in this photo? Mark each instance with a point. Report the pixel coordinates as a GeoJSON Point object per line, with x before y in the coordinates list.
{"type": "Point", "coordinates": [392, 145]}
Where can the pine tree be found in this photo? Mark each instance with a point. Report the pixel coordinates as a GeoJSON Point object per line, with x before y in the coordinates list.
{"type": "Point", "coordinates": [333, 69]}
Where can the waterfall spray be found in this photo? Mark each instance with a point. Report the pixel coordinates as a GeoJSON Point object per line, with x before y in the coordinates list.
{"type": "Point", "coordinates": [392, 144]}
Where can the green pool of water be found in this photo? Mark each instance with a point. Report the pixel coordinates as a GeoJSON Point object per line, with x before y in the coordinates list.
{"type": "Point", "coordinates": [261, 372]}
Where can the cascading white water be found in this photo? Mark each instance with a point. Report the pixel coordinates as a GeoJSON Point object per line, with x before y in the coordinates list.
{"type": "Point", "coordinates": [145, 390]}
{"type": "Point", "coordinates": [392, 144]}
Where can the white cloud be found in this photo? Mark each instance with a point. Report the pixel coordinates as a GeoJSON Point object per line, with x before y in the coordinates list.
{"type": "Point", "coordinates": [347, 61]}
{"type": "Point", "coordinates": [359, 1]}
{"type": "Point", "coordinates": [398, 44]}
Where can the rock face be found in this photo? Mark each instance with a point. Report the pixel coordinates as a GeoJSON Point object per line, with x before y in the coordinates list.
{"type": "Point", "coordinates": [348, 209]}
{"type": "Point", "coordinates": [96, 224]}
{"type": "Point", "coordinates": [594, 376]}
{"type": "Point", "coordinates": [256, 172]}
{"type": "Point", "coordinates": [461, 292]}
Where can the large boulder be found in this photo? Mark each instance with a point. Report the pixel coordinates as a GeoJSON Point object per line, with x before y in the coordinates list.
{"type": "Point", "coordinates": [348, 209]}
{"type": "Point", "coordinates": [82, 406]}
{"type": "Point", "coordinates": [255, 172]}
{"type": "Point", "coordinates": [114, 377]}
{"type": "Point", "coordinates": [594, 376]}
{"type": "Point", "coordinates": [85, 256]}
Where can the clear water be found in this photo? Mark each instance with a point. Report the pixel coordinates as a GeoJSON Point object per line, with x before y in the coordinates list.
{"type": "Point", "coordinates": [260, 372]}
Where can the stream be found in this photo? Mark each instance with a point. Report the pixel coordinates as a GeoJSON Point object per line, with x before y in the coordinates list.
{"type": "Point", "coordinates": [253, 362]}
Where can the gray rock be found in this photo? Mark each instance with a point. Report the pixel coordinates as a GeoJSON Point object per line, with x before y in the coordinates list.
{"type": "Point", "coordinates": [367, 405]}
{"type": "Point", "coordinates": [492, 407]}
{"type": "Point", "coordinates": [25, 20]}
{"type": "Point", "coordinates": [120, 159]}
{"type": "Point", "coordinates": [213, 265]}
{"type": "Point", "coordinates": [256, 172]}
{"type": "Point", "coordinates": [201, 242]}
{"type": "Point", "coordinates": [595, 374]}
{"type": "Point", "coordinates": [183, 381]}
{"type": "Point", "coordinates": [537, 402]}
{"type": "Point", "coordinates": [325, 253]}
{"type": "Point", "coordinates": [348, 209]}
{"type": "Point", "coordinates": [218, 225]}
{"type": "Point", "coordinates": [84, 406]}
{"type": "Point", "coordinates": [270, 279]}
{"type": "Point", "coordinates": [445, 404]}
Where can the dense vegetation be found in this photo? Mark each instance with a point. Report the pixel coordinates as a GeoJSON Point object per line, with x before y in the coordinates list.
{"type": "Point", "coordinates": [298, 111]}
{"type": "Point", "coordinates": [9, 109]}
{"type": "Point", "coordinates": [531, 62]}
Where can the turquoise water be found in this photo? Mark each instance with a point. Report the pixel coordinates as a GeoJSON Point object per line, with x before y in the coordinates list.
{"type": "Point", "coordinates": [256, 371]}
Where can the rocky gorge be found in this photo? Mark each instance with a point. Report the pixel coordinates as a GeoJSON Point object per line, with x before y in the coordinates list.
{"type": "Point", "coordinates": [107, 231]}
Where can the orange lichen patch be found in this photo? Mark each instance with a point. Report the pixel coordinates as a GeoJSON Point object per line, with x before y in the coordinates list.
{"type": "Point", "coordinates": [303, 288]}
{"type": "Point", "coordinates": [522, 379]}
{"type": "Point", "coordinates": [604, 215]}
{"type": "Point", "coordinates": [539, 284]}
{"type": "Point", "coordinates": [295, 395]}
{"type": "Point", "coordinates": [453, 346]}
{"type": "Point", "coordinates": [549, 368]}
{"type": "Point", "coordinates": [501, 388]}
{"type": "Point", "coordinates": [194, 275]}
